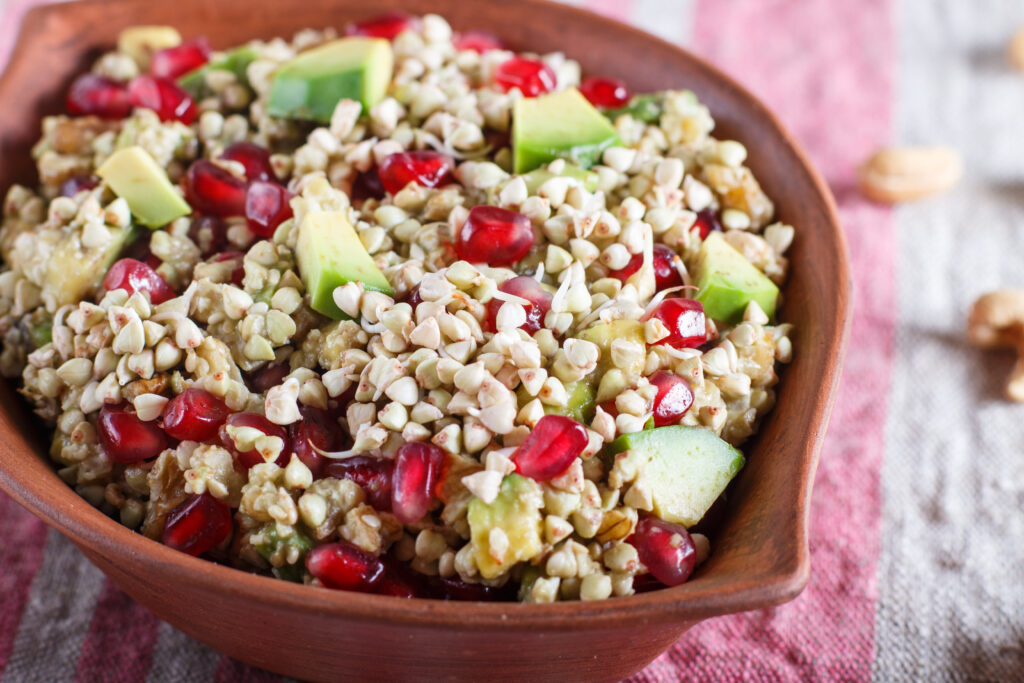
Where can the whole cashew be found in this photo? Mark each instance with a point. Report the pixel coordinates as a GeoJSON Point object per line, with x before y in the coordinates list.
{"type": "Point", "coordinates": [997, 321]}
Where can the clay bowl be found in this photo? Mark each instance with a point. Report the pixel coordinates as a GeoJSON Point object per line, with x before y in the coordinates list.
{"type": "Point", "coordinates": [760, 554]}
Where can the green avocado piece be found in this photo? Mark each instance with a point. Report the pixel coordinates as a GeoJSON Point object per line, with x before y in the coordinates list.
{"type": "Point", "coordinates": [133, 174]}
{"type": "Point", "coordinates": [562, 125]}
{"type": "Point", "coordinates": [73, 272]}
{"type": "Point", "coordinates": [311, 85]}
{"type": "Point", "coordinates": [537, 177]}
{"type": "Point", "coordinates": [580, 405]}
{"type": "Point", "coordinates": [276, 550]}
{"type": "Point", "coordinates": [646, 108]}
{"type": "Point", "coordinates": [330, 254]}
{"type": "Point", "coordinates": [41, 333]}
{"type": "Point", "coordinates": [727, 281]}
{"type": "Point", "coordinates": [687, 469]}
{"type": "Point", "coordinates": [516, 511]}
{"type": "Point", "coordinates": [603, 334]}
{"type": "Point", "coordinates": [236, 61]}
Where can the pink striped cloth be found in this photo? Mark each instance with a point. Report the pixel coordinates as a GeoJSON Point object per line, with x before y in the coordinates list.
{"type": "Point", "coordinates": [914, 575]}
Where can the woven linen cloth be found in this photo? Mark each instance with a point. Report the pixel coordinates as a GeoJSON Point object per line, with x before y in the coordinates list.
{"type": "Point", "coordinates": [916, 521]}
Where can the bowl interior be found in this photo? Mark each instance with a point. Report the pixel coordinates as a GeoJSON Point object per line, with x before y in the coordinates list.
{"type": "Point", "coordinates": [760, 554]}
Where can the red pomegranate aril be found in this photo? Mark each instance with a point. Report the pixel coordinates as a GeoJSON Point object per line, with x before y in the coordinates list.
{"type": "Point", "coordinates": [254, 158]}
{"type": "Point", "coordinates": [367, 185]}
{"type": "Point", "coordinates": [209, 233]}
{"type": "Point", "coordinates": [495, 236]}
{"type": "Point", "coordinates": [194, 415]}
{"type": "Point", "coordinates": [139, 250]}
{"type": "Point", "coordinates": [400, 580]}
{"type": "Point", "coordinates": [248, 459]}
{"type": "Point", "coordinates": [413, 298]}
{"type": "Point", "coordinates": [177, 61]}
{"type": "Point", "coordinates": [78, 183]}
{"type": "Point", "coordinates": [387, 26]}
{"type": "Point", "coordinates": [269, 376]}
{"type": "Point", "coordinates": [98, 96]}
{"type": "Point", "coordinates": [372, 474]}
{"type": "Point", "coordinates": [609, 93]}
{"type": "Point", "coordinates": [477, 41]}
{"type": "Point", "coordinates": [165, 97]}
{"type": "Point", "coordinates": [316, 428]}
{"type": "Point", "coordinates": [136, 276]}
{"type": "Point", "coordinates": [532, 76]}
{"type": "Point", "coordinates": [666, 549]}
{"type": "Point", "coordinates": [665, 272]}
{"type": "Point", "coordinates": [553, 445]}
{"type": "Point", "coordinates": [684, 318]}
{"type": "Point", "coordinates": [198, 525]}
{"type": "Point", "coordinates": [417, 470]}
{"type": "Point", "coordinates": [423, 167]}
{"type": "Point", "coordinates": [344, 566]}
{"type": "Point", "coordinates": [707, 220]}
{"type": "Point", "coordinates": [212, 190]}
{"type": "Point", "coordinates": [267, 205]}
{"type": "Point", "coordinates": [527, 288]}
{"type": "Point", "coordinates": [238, 274]}
{"type": "Point", "coordinates": [127, 439]}
{"type": "Point", "coordinates": [673, 399]}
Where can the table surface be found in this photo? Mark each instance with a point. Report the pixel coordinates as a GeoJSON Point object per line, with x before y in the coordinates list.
{"type": "Point", "coordinates": [916, 522]}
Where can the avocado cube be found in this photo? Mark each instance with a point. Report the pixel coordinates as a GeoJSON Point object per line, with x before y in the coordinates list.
{"type": "Point", "coordinates": [537, 177]}
{"type": "Point", "coordinates": [140, 42]}
{"type": "Point", "coordinates": [580, 405]}
{"type": "Point", "coordinates": [133, 174]}
{"type": "Point", "coordinates": [727, 282]}
{"type": "Point", "coordinates": [516, 511]}
{"type": "Point", "coordinates": [236, 61]}
{"type": "Point", "coordinates": [646, 108]}
{"type": "Point", "coordinates": [603, 334]}
{"type": "Point", "coordinates": [311, 85]}
{"type": "Point", "coordinates": [687, 469]}
{"type": "Point", "coordinates": [562, 125]}
{"type": "Point", "coordinates": [73, 271]}
{"type": "Point", "coordinates": [329, 254]}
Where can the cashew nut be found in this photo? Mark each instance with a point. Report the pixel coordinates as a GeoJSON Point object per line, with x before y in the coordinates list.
{"type": "Point", "coordinates": [997, 321]}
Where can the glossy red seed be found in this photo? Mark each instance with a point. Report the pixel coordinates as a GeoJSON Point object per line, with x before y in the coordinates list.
{"type": "Point", "coordinates": [254, 158]}
{"type": "Point", "coordinates": [527, 288]}
{"type": "Point", "coordinates": [238, 274]}
{"type": "Point", "coordinates": [247, 459]}
{"type": "Point", "coordinates": [168, 99]}
{"type": "Point", "coordinates": [372, 474]}
{"type": "Point", "coordinates": [685, 321]}
{"type": "Point", "coordinates": [212, 190]}
{"type": "Point", "coordinates": [127, 439]}
{"type": "Point", "coordinates": [400, 580]}
{"type": "Point", "coordinates": [198, 525]}
{"type": "Point", "coordinates": [477, 41]}
{"type": "Point", "coordinates": [555, 442]}
{"type": "Point", "coordinates": [532, 76]}
{"type": "Point", "coordinates": [343, 566]}
{"type": "Point", "coordinates": [177, 61]}
{"type": "Point", "coordinates": [417, 470]}
{"type": "Point", "coordinates": [136, 276]}
{"type": "Point", "coordinates": [666, 274]}
{"type": "Point", "coordinates": [495, 236]}
{"type": "Point", "coordinates": [707, 220]}
{"type": "Point", "coordinates": [267, 205]}
{"type": "Point", "coordinates": [423, 167]}
{"type": "Point", "coordinates": [98, 96]}
{"type": "Point", "coordinates": [78, 183]}
{"type": "Point", "coordinates": [139, 250]}
{"type": "Point", "coordinates": [673, 399]}
{"type": "Point", "coordinates": [609, 93]}
{"type": "Point", "coordinates": [386, 26]}
{"type": "Point", "coordinates": [209, 233]}
{"type": "Point", "coordinates": [413, 298]}
{"type": "Point", "coordinates": [367, 185]}
{"type": "Point", "coordinates": [316, 428]}
{"type": "Point", "coordinates": [194, 415]}
{"type": "Point", "coordinates": [666, 550]}
{"type": "Point", "coordinates": [269, 376]}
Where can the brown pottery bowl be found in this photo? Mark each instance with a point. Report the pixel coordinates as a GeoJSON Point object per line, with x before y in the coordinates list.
{"type": "Point", "coordinates": [760, 555]}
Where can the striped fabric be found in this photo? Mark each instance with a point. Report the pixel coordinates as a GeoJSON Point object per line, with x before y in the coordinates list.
{"type": "Point", "coordinates": [916, 531]}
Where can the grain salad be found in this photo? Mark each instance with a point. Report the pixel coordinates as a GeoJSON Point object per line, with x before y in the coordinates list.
{"type": "Point", "coordinates": [395, 310]}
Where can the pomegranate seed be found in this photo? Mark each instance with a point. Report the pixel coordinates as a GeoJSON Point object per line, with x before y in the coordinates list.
{"type": "Point", "coordinates": [532, 76]}
{"type": "Point", "coordinates": [373, 476]}
{"type": "Point", "coordinates": [256, 160]}
{"type": "Point", "coordinates": [194, 415]}
{"type": "Point", "coordinates": [455, 588]}
{"type": "Point", "coordinates": [343, 566]}
{"type": "Point", "coordinates": [527, 288]}
{"type": "Point", "coordinates": [99, 96]}
{"type": "Point", "coordinates": [318, 428]}
{"type": "Point", "coordinates": [212, 190]}
{"type": "Point", "coordinates": [609, 93]}
{"type": "Point", "coordinates": [78, 183]}
{"type": "Point", "coordinates": [266, 207]}
{"type": "Point", "coordinates": [423, 167]}
{"type": "Point", "coordinates": [555, 442]}
{"type": "Point", "coordinates": [495, 236]}
{"type": "Point", "coordinates": [139, 250]}
{"type": "Point", "coordinates": [706, 221]}
{"type": "Point", "coordinates": [209, 233]}
{"type": "Point", "coordinates": [666, 550]}
{"type": "Point", "coordinates": [127, 439]}
{"type": "Point", "coordinates": [177, 61]}
{"type": "Point", "coordinates": [400, 580]}
{"type": "Point", "coordinates": [238, 274]}
{"type": "Point", "coordinates": [269, 376]}
{"type": "Point", "coordinates": [665, 272]}
{"type": "Point", "coordinates": [673, 399]}
{"type": "Point", "coordinates": [413, 298]}
{"type": "Point", "coordinates": [367, 186]}
{"type": "Point", "coordinates": [165, 97]}
{"type": "Point", "coordinates": [252, 457]}
{"type": "Point", "coordinates": [198, 525]}
{"type": "Point", "coordinates": [417, 470]}
{"type": "Point", "coordinates": [384, 26]}
{"type": "Point", "coordinates": [684, 318]}
{"type": "Point", "coordinates": [477, 41]}
{"type": "Point", "coordinates": [136, 276]}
